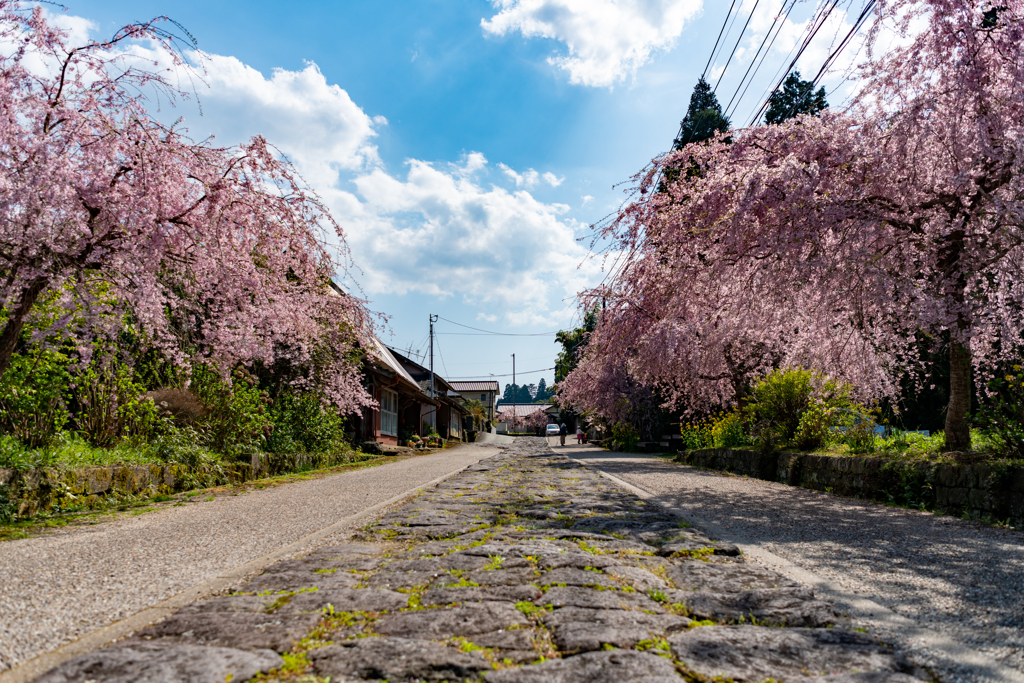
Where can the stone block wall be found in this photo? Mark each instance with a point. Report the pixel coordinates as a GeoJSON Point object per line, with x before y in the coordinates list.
{"type": "Point", "coordinates": [990, 491]}
{"type": "Point", "coordinates": [29, 492]}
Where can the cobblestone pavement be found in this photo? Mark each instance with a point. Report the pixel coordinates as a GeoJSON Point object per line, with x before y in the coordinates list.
{"type": "Point", "coordinates": [960, 580]}
{"type": "Point", "coordinates": [525, 567]}
{"type": "Point", "coordinates": [59, 587]}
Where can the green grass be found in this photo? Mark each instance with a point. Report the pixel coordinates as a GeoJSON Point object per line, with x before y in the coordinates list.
{"type": "Point", "coordinates": [909, 446]}
{"type": "Point", "coordinates": [71, 451]}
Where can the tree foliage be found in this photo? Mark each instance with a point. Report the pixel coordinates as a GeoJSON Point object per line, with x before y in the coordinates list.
{"type": "Point", "coordinates": [796, 98]}
{"type": "Point", "coordinates": [834, 241]}
{"type": "Point", "coordinates": [704, 117]}
{"type": "Point", "coordinates": [214, 252]}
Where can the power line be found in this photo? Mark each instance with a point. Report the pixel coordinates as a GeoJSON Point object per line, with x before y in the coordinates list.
{"type": "Point", "coordinates": [715, 48]}
{"type": "Point", "coordinates": [737, 45]}
{"type": "Point", "coordinates": [497, 334]}
{"type": "Point", "coordinates": [758, 53]}
{"type": "Point", "coordinates": [815, 27]}
{"type": "Point", "coordinates": [518, 372]}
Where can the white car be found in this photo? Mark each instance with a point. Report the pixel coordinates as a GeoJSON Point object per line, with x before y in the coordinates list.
{"type": "Point", "coordinates": [553, 430]}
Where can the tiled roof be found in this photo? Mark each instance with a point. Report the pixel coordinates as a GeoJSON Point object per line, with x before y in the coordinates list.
{"type": "Point", "coordinates": [474, 386]}
{"type": "Point", "coordinates": [523, 409]}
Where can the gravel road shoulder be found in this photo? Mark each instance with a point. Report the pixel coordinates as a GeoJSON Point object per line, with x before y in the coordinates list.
{"type": "Point", "coordinates": [59, 587]}
{"type": "Point", "coordinates": [960, 579]}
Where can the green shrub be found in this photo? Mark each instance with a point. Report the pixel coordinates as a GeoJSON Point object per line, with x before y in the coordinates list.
{"type": "Point", "coordinates": [777, 403]}
{"type": "Point", "coordinates": [33, 396]}
{"type": "Point", "coordinates": [626, 434]}
{"type": "Point", "coordinates": [798, 407]}
{"type": "Point", "coordinates": [110, 405]}
{"type": "Point", "coordinates": [697, 434]}
{"type": "Point", "coordinates": [183, 446]}
{"type": "Point", "coordinates": [1001, 414]}
{"type": "Point", "coordinates": [729, 431]}
{"type": "Point", "coordinates": [237, 422]}
{"type": "Point", "coordinates": [303, 424]}
{"type": "Point", "coordinates": [860, 437]}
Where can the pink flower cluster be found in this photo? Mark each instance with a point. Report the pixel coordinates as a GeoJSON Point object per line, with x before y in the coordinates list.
{"type": "Point", "coordinates": [214, 253]}
{"type": "Point", "coordinates": [836, 242]}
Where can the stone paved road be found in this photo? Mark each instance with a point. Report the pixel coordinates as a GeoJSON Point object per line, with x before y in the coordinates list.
{"type": "Point", "coordinates": [958, 579]}
{"type": "Point", "coordinates": [527, 567]}
{"type": "Point", "coordinates": [56, 588]}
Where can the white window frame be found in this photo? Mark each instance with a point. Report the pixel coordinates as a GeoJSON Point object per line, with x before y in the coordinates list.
{"type": "Point", "coordinates": [388, 412]}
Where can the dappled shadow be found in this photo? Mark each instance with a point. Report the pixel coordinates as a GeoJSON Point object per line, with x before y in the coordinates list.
{"type": "Point", "coordinates": [934, 568]}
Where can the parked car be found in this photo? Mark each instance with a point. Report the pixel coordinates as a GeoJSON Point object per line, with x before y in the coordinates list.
{"type": "Point", "coordinates": [552, 430]}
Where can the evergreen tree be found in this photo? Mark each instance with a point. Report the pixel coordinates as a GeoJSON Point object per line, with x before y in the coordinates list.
{"type": "Point", "coordinates": [703, 118]}
{"type": "Point", "coordinates": [573, 344]}
{"type": "Point", "coordinates": [796, 97]}
{"type": "Point", "coordinates": [542, 391]}
{"type": "Point", "coordinates": [524, 395]}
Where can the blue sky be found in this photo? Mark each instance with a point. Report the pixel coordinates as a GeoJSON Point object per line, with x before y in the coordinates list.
{"type": "Point", "coordinates": [466, 145]}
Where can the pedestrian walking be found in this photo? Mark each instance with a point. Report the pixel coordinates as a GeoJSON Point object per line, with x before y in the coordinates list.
{"type": "Point", "coordinates": [579, 435]}
{"type": "Point", "coordinates": [562, 432]}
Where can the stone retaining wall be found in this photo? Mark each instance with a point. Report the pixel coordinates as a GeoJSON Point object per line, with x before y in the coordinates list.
{"type": "Point", "coordinates": [28, 492]}
{"type": "Point", "coordinates": [990, 491]}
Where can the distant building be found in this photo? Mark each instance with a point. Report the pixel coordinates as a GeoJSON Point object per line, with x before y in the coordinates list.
{"type": "Point", "coordinates": [524, 410]}
{"type": "Point", "coordinates": [485, 392]}
{"type": "Point", "coordinates": [448, 412]}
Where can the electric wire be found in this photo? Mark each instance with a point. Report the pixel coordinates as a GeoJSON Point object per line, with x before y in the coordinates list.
{"type": "Point", "coordinates": [497, 334]}
{"type": "Point", "coordinates": [815, 27]}
{"type": "Point", "coordinates": [783, 70]}
{"type": "Point", "coordinates": [737, 45]}
{"type": "Point", "coordinates": [509, 374]}
{"type": "Point", "coordinates": [730, 109]}
{"type": "Point", "coordinates": [715, 48]}
{"type": "Point", "coordinates": [834, 53]}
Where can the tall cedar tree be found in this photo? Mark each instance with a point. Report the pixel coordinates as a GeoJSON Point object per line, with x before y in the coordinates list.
{"type": "Point", "coordinates": [703, 118]}
{"type": "Point", "coordinates": [796, 97]}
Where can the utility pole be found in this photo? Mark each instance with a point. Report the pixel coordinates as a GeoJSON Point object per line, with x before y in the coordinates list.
{"type": "Point", "coordinates": [433, 413]}
{"type": "Point", "coordinates": [515, 389]}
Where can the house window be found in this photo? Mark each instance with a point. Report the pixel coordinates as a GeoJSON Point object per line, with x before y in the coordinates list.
{"type": "Point", "coordinates": [483, 397]}
{"type": "Point", "coordinates": [388, 412]}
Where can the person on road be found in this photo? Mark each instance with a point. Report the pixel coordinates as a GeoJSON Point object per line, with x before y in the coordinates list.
{"type": "Point", "coordinates": [579, 435]}
{"type": "Point", "coordinates": [562, 432]}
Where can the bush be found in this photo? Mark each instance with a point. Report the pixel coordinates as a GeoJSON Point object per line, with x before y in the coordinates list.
{"type": "Point", "coordinates": [33, 396]}
{"type": "Point", "coordinates": [729, 431]}
{"type": "Point", "coordinates": [179, 405]}
{"type": "Point", "coordinates": [303, 424]}
{"type": "Point", "coordinates": [110, 404]}
{"type": "Point", "coordinates": [237, 422]}
{"type": "Point", "coordinates": [798, 407]}
{"type": "Point", "coordinates": [626, 434]}
{"type": "Point", "coordinates": [778, 402]}
{"type": "Point", "coordinates": [182, 446]}
{"type": "Point", "coordinates": [697, 434]}
{"type": "Point", "coordinates": [1001, 414]}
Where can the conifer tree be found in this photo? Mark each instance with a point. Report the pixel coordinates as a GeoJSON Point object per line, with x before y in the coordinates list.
{"type": "Point", "coordinates": [796, 97]}
{"type": "Point", "coordinates": [703, 118]}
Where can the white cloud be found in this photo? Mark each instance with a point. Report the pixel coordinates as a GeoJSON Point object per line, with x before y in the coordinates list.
{"type": "Point", "coordinates": [441, 233]}
{"type": "Point", "coordinates": [552, 180]}
{"type": "Point", "coordinates": [315, 123]}
{"type": "Point", "coordinates": [487, 317]}
{"type": "Point", "coordinates": [437, 231]}
{"type": "Point", "coordinates": [586, 199]}
{"type": "Point", "coordinates": [607, 40]}
{"type": "Point", "coordinates": [529, 178]}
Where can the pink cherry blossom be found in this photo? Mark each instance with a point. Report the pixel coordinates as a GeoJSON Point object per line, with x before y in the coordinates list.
{"type": "Point", "coordinates": [834, 242]}
{"type": "Point", "coordinates": [216, 253]}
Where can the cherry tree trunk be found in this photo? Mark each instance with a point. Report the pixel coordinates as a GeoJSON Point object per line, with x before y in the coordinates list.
{"type": "Point", "coordinates": [12, 330]}
{"type": "Point", "coordinates": [958, 428]}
